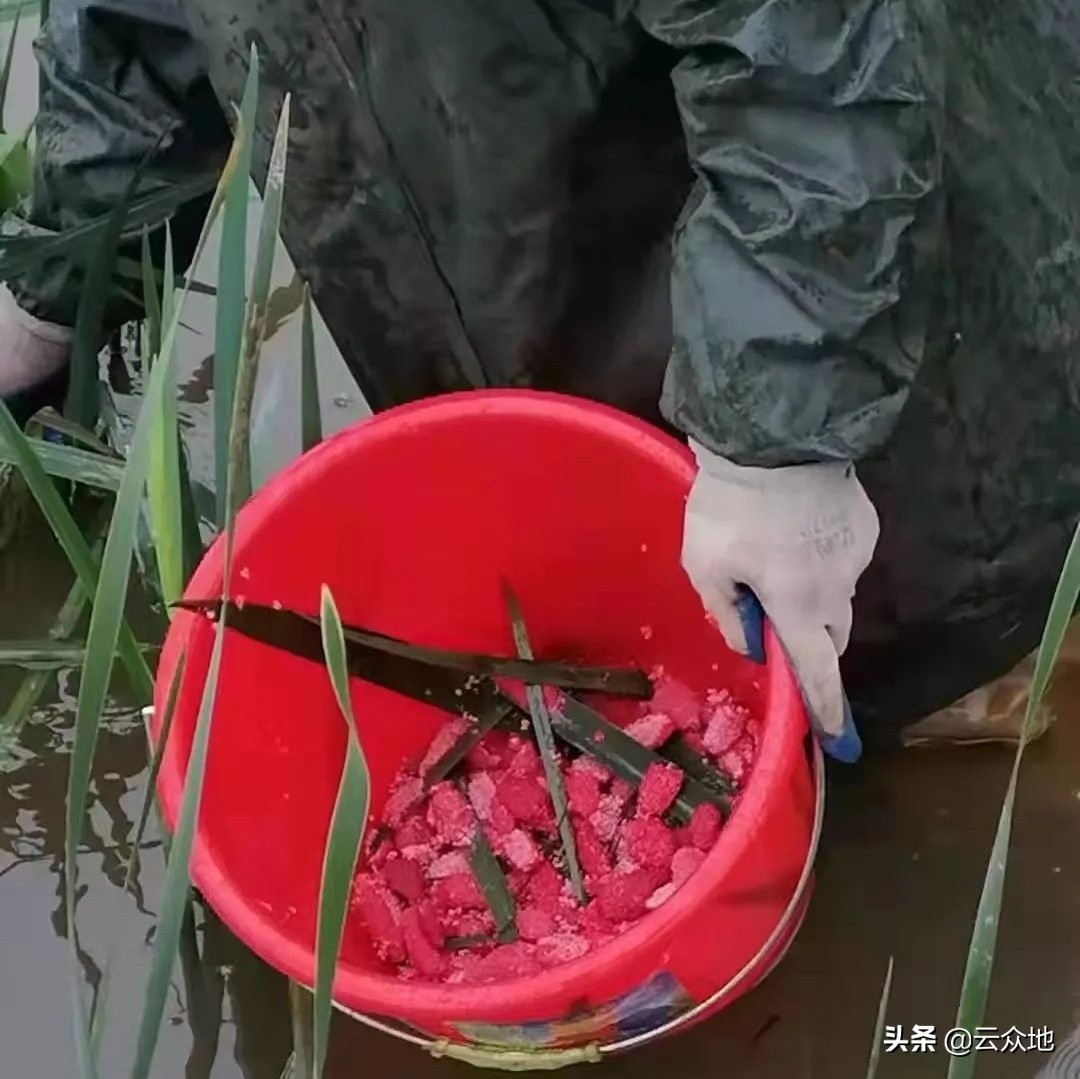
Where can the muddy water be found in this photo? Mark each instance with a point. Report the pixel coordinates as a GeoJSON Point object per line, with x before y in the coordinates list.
{"type": "Point", "coordinates": [903, 855]}
{"type": "Point", "coordinates": [902, 860]}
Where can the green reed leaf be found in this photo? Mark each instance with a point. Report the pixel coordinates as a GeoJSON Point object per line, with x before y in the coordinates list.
{"type": "Point", "coordinates": [343, 842]}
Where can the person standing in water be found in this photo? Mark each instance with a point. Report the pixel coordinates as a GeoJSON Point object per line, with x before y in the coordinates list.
{"type": "Point", "coordinates": [833, 246]}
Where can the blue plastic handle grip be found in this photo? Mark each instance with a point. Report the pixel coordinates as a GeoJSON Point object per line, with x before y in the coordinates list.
{"type": "Point", "coordinates": [845, 746]}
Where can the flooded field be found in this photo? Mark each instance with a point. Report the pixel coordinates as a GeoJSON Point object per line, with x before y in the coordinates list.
{"type": "Point", "coordinates": [902, 861]}
{"type": "Point", "coordinates": [899, 873]}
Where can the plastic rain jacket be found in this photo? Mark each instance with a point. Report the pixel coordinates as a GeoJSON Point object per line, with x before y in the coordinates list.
{"type": "Point", "coordinates": [845, 228]}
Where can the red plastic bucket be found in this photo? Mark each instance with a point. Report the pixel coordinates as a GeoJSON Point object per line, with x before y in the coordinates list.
{"type": "Point", "coordinates": [413, 518]}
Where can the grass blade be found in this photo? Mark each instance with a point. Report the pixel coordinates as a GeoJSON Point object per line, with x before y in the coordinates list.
{"type": "Point", "coordinates": [192, 542]}
{"type": "Point", "coordinates": [134, 272]}
{"type": "Point", "coordinates": [107, 614]}
{"type": "Point", "coordinates": [232, 277]}
{"type": "Point", "coordinates": [980, 960]}
{"type": "Point", "coordinates": [586, 730]}
{"type": "Point", "coordinates": [64, 462]}
{"type": "Point", "coordinates": [21, 253]}
{"type": "Point", "coordinates": [496, 715]}
{"type": "Point", "coordinates": [88, 335]}
{"type": "Point", "coordinates": [545, 741]}
{"type": "Point", "coordinates": [311, 433]}
{"type": "Point", "coordinates": [50, 419]}
{"type": "Point", "coordinates": [106, 619]}
{"type": "Point", "coordinates": [168, 280]}
{"type": "Point", "coordinates": [492, 880]}
{"type": "Point", "coordinates": [71, 540]}
{"type": "Point", "coordinates": [300, 1012]}
{"type": "Point", "coordinates": [43, 655]}
{"type": "Point", "coordinates": [177, 884]}
{"type": "Point", "coordinates": [16, 169]}
{"type": "Point", "coordinates": [85, 1057]}
{"type": "Point", "coordinates": [299, 634]}
{"type": "Point", "coordinates": [343, 843]}
{"type": "Point", "coordinates": [155, 767]}
{"type": "Point", "coordinates": [9, 56]}
{"type": "Point", "coordinates": [879, 1025]}
{"type": "Point", "coordinates": [177, 887]}
{"type": "Point", "coordinates": [98, 1008]}
{"type": "Point", "coordinates": [257, 310]}
{"type": "Point", "coordinates": [163, 477]}
{"type": "Point", "coordinates": [697, 766]}
{"type": "Point", "coordinates": [151, 299]}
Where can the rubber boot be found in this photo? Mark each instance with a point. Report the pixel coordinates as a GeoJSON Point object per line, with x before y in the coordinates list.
{"type": "Point", "coordinates": [994, 712]}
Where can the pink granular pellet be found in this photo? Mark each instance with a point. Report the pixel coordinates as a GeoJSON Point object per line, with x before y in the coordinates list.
{"type": "Point", "coordinates": [425, 959]}
{"type": "Point", "coordinates": [534, 923]}
{"type": "Point", "coordinates": [525, 759]}
{"type": "Point", "coordinates": [554, 698]}
{"type": "Point", "coordinates": [595, 925]}
{"type": "Point", "coordinates": [546, 886]}
{"type": "Point", "coordinates": [621, 897]}
{"type": "Point", "coordinates": [647, 632]}
{"type": "Point", "coordinates": [590, 766]}
{"type": "Point", "coordinates": [737, 761]}
{"type": "Point", "coordinates": [491, 752]}
{"type": "Point", "coordinates": [652, 730]}
{"type": "Point", "coordinates": [482, 794]}
{"type": "Point", "coordinates": [501, 821]}
{"type": "Point", "coordinates": [660, 787]}
{"type": "Point", "coordinates": [582, 792]}
{"type": "Point", "coordinates": [517, 960]}
{"type": "Point", "coordinates": [381, 914]}
{"type": "Point", "coordinates": [413, 832]}
{"type": "Point", "coordinates": [405, 794]}
{"type": "Point", "coordinates": [459, 891]}
{"type": "Point", "coordinates": [648, 842]}
{"type": "Point", "coordinates": [605, 821]}
{"type": "Point", "coordinates": [418, 888]}
{"type": "Point", "coordinates": [470, 923]}
{"type": "Point", "coordinates": [429, 922]}
{"type": "Point", "coordinates": [684, 864]}
{"type": "Point", "coordinates": [677, 700]}
{"type": "Point", "coordinates": [405, 878]}
{"type": "Point", "coordinates": [704, 826]}
{"type": "Point", "coordinates": [726, 723]}
{"type": "Point", "coordinates": [448, 865]}
{"type": "Point", "coordinates": [561, 948]}
{"type": "Point", "coordinates": [520, 850]}
{"type": "Point", "coordinates": [660, 896]}
{"type": "Point", "coordinates": [442, 741]}
{"type": "Point", "coordinates": [591, 851]}
{"type": "Point", "coordinates": [526, 799]}
{"type": "Point", "coordinates": [450, 814]}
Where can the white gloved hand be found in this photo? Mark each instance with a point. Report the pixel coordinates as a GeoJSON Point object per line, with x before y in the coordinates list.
{"type": "Point", "coordinates": [31, 351]}
{"type": "Point", "coordinates": [798, 538]}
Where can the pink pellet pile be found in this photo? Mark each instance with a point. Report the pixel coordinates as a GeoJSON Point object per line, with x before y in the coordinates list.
{"type": "Point", "coordinates": [416, 894]}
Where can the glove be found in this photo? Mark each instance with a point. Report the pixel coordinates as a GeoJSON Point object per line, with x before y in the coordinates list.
{"type": "Point", "coordinates": [797, 539]}
{"type": "Point", "coordinates": [31, 351]}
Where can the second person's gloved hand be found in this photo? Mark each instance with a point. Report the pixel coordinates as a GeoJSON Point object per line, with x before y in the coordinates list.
{"type": "Point", "coordinates": [798, 538]}
{"type": "Point", "coordinates": [31, 351]}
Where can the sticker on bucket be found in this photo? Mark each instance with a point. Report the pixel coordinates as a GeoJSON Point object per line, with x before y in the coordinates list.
{"type": "Point", "coordinates": [645, 1008]}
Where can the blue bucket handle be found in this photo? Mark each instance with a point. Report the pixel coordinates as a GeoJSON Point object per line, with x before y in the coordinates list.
{"type": "Point", "coordinates": [845, 746]}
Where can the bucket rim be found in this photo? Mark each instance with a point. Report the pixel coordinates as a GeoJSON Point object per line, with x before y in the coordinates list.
{"type": "Point", "coordinates": [783, 729]}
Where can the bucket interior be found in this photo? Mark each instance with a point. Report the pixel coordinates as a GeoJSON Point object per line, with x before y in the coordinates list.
{"type": "Point", "coordinates": [414, 519]}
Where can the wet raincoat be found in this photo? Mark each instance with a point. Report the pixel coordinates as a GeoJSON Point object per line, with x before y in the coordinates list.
{"type": "Point", "coordinates": [812, 230]}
